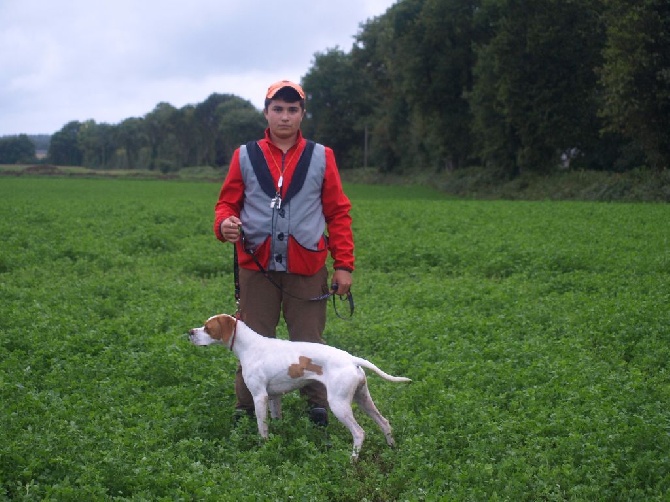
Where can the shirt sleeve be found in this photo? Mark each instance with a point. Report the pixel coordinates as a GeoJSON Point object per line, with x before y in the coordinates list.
{"type": "Point", "coordinates": [231, 195]}
{"type": "Point", "coordinates": [336, 209]}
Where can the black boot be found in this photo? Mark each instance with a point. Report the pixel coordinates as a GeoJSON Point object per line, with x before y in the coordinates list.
{"type": "Point", "coordinates": [319, 416]}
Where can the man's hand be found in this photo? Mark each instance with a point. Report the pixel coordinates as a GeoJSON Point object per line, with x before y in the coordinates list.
{"type": "Point", "coordinates": [343, 280]}
{"type": "Point", "coordinates": [230, 228]}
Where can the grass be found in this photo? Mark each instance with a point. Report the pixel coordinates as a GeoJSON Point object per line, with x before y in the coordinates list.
{"type": "Point", "coordinates": [196, 173]}
{"type": "Point", "coordinates": [637, 185]}
{"type": "Point", "coordinates": [536, 334]}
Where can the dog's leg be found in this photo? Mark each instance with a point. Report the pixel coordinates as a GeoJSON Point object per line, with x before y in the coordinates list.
{"type": "Point", "coordinates": [261, 407]}
{"type": "Point", "coordinates": [342, 411]}
{"type": "Point", "coordinates": [275, 407]}
{"type": "Point", "coordinates": [364, 400]}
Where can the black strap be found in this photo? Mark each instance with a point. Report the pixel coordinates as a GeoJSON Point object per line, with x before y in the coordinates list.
{"type": "Point", "coordinates": [264, 176]}
{"type": "Point", "coordinates": [261, 168]}
{"type": "Point", "coordinates": [300, 173]}
{"type": "Point", "coordinates": [236, 278]}
{"type": "Point", "coordinates": [348, 297]}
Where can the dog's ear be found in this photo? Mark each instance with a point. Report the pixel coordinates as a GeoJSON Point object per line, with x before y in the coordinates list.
{"type": "Point", "coordinates": [226, 327]}
{"type": "Point", "coordinates": [216, 328]}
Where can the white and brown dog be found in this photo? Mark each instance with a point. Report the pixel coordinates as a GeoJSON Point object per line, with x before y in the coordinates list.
{"type": "Point", "coordinates": [272, 367]}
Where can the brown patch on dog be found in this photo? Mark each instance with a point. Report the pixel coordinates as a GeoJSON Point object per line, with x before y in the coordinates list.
{"type": "Point", "coordinates": [304, 363]}
{"type": "Point", "coordinates": [220, 327]}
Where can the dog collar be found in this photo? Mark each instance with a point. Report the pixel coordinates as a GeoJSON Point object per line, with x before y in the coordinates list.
{"type": "Point", "coordinates": [232, 338]}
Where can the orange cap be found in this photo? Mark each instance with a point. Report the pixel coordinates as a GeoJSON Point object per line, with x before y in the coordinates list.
{"type": "Point", "coordinates": [274, 88]}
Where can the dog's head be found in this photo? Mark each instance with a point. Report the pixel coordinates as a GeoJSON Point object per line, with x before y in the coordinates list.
{"type": "Point", "coordinates": [217, 329]}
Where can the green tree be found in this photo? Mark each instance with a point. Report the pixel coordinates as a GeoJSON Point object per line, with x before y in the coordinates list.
{"type": "Point", "coordinates": [337, 106]}
{"type": "Point", "coordinates": [636, 75]}
{"type": "Point", "coordinates": [417, 64]}
{"type": "Point", "coordinates": [64, 148]}
{"type": "Point", "coordinates": [96, 143]}
{"type": "Point", "coordinates": [130, 138]}
{"type": "Point", "coordinates": [535, 87]}
{"type": "Point", "coordinates": [158, 128]}
{"type": "Point", "coordinates": [16, 149]}
{"type": "Point", "coordinates": [211, 148]}
{"type": "Point", "coordinates": [184, 134]}
{"type": "Point", "coordinates": [373, 57]}
{"type": "Point", "coordinates": [239, 121]}
{"type": "Point", "coordinates": [434, 60]}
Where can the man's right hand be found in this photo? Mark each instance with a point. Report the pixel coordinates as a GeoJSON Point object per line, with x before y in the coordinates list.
{"type": "Point", "coordinates": [230, 228]}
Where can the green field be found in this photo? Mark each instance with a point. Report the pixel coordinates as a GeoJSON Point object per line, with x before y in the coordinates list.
{"type": "Point", "coordinates": [537, 335]}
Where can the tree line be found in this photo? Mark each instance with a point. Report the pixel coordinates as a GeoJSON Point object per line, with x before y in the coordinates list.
{"type": "Point", "coordinates": [512, 85]}
{"type": "Point", "coordinates": [165, 139]}
{"type": "Point", "coordinates": [19, 149]}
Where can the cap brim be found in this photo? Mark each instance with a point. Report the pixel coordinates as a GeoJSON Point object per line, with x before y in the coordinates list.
{"type": "Point", "coordinates": [277, 86]}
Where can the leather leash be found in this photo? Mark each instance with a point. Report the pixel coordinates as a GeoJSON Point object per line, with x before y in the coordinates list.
{"type": "Point", "coordinates": [236, 275]}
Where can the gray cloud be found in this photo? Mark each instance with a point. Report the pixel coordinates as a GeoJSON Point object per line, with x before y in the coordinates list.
{"type": "Point", "coordinates": [112, 59]}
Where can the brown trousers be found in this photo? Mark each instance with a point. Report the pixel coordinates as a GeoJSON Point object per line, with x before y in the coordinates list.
{"type": "Point", "coordinates": [261, 304]}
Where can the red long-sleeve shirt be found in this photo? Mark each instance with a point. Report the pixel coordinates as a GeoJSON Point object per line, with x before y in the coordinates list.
{"type": "Point", "coordinates": [336, 205]}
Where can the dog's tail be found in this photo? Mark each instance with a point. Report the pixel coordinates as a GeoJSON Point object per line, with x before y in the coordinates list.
{"type": "Point", "coordinates": [367, 364]}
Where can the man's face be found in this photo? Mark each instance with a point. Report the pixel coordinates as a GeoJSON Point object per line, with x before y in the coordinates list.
{"type": "Point", "coordinates": [284, 118]}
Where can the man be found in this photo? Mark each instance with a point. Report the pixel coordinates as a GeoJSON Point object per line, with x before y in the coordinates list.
{"type": "Point", "coordinates": [280, 195]}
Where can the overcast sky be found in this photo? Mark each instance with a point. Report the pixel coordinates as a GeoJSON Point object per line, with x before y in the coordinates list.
{"type": "Point", "coordinates": [108, 60]}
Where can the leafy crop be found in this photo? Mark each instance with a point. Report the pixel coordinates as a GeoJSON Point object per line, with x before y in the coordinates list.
{"type": "Point", "coordinates": [536, 334]}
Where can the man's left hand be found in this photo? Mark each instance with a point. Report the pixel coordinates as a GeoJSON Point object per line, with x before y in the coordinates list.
{"type": "Point", "coordinates": [343, 280]}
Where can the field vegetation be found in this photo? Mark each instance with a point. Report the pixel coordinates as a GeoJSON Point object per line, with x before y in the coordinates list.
{"type": "Point", "coordinates": [637, 185]}
{"type": "Point", "coordinates": [536, 334]}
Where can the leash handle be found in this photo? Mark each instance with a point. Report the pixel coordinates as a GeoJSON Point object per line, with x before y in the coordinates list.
{"type": "Point", "coordinates": [348, 297]}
